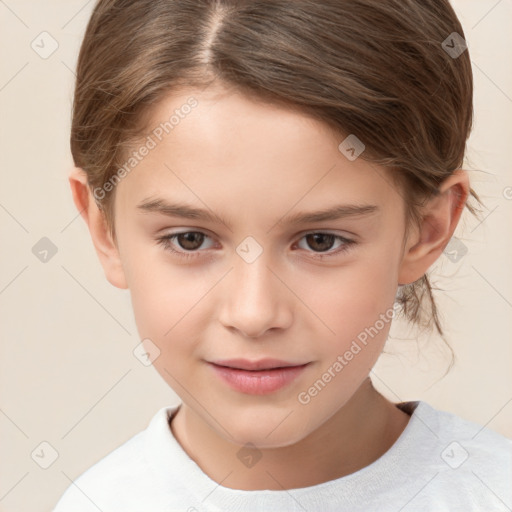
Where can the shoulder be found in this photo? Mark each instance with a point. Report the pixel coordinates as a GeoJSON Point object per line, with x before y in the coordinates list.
{"type": "Point", "coordinates": [117, 480]}
{"type": "Point", "coordinates": [466, 463]}
{"type": "Point", "coordinates": [449, 427]}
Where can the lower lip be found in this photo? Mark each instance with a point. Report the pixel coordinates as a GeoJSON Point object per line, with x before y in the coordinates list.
{"type": "Point", "coordinates": [259, 382]}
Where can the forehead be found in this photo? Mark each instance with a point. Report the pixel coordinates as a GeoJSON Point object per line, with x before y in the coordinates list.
{"type": "Point", "coordinates": [233, 153]}
{"type": "Point", "coordinates": [226, 123]}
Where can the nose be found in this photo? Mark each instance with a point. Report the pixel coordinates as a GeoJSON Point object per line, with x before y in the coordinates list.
{"type": "Point", "coordinates": [254, 298]}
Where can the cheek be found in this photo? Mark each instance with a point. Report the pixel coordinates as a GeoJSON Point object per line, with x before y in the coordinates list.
{"type": "Point", "coordinates": [351, 298]}
{"type": "Point", "coordinates": [158, 295]}
{"type": "Point", "coordinates": [172, 308]}
{"type": "Point", "coordinates": [161, 290]}
{"type": "Point", "coordinates": [358, 307]}
{"type": "Point", "coordinates": [162, 312]}
{"type": "Point", "coordinates": [164, 305]}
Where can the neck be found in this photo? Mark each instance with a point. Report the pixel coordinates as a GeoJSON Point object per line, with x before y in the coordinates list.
{"type": "Point", "coordinates": [355, 436]}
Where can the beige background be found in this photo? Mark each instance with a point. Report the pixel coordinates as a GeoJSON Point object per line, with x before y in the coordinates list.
{"type": "Point", "coordinates": [68, 374]}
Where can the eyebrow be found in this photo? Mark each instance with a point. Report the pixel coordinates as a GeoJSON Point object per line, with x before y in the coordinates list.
{"type": "Point", "coordinates": [185, 211]}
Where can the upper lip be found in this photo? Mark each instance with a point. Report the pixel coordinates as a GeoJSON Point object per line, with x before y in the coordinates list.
{"type": "Point", "coordinates": [260, 364]}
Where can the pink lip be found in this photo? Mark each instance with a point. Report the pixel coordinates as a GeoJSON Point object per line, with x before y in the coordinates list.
{"type": "Point", "coordinates": [257, 377]}
{"type": "Point", "coordinates": [260, 364]}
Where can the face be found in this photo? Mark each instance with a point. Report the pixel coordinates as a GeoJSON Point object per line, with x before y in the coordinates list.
{"type": "Point", "coordinates": [259, 282]}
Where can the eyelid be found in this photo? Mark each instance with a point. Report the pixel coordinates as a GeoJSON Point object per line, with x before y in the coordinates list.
{"type": "Point", "coordinates": [300, 234]}
{"type": "Point", "coordinates": [347, 243]}
{"type": "Point", "coordinates": [171, 234]}
{"type": "Point", "coordinates": [343, 233]}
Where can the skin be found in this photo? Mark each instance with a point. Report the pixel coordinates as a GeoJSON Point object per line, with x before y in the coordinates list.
{"type": "Point", "coordinates": [254, 163]}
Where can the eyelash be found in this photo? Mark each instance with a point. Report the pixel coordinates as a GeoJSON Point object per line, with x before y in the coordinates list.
{"type": "Point", "coordinates": [165, 241]}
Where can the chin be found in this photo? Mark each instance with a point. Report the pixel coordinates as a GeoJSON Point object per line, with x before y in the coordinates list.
{"type": "Point", "coordinates": [266, 431]}
{"type": "Point", "coordinates": [262, 440]}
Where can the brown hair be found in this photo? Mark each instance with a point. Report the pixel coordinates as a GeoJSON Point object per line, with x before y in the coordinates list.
{"type": "Point", "coordinates": [374, 68]}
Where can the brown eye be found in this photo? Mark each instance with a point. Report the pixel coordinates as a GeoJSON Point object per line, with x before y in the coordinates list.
{"type": "Point", "coordinates": [186, 244]}
{"type": "Point", "coordinates": [190, 241]}
{"type": "Point", "coordinates": [324, 245]}
{"type": "Point", "coordinates": [320, 241]}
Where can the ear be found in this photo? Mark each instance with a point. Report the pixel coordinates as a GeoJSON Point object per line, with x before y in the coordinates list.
{"type": "Point", "coordinates": [440, 217]}
{"type": "Point", "coordinates": [106, 249]}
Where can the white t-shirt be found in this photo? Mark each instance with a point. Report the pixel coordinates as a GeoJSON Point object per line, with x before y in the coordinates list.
{"type": "Point", "coordinates": [439, 463]}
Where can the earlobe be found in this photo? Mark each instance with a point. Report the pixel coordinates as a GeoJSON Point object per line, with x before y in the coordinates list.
{"type": "Point", "coordinates": [106, 249]}
{"type": "Point", "coordinates": [440, 218]}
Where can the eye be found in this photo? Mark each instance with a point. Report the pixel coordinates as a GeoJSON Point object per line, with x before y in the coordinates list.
{"type": "Point", "coordinates": [324, 241]}
{"type": "Point", "coordinates": [190, 241]}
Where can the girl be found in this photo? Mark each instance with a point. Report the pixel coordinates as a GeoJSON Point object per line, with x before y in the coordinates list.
{"type": "Point", "coordinates": [272, 180]}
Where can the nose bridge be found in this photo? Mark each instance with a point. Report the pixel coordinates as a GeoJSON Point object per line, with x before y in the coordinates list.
{"type": "Point", "coordinates": [253, 302]}
{"type": "Point", "coordinates": [253, 282]}
{"type": "Point", "coordinates": [253, 277]}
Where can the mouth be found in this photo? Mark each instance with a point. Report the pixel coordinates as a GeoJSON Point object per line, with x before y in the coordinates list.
{"type": "Point", "coordinates": [257, 377]}
{"type": "Point", "coordinates": [258, 365]}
